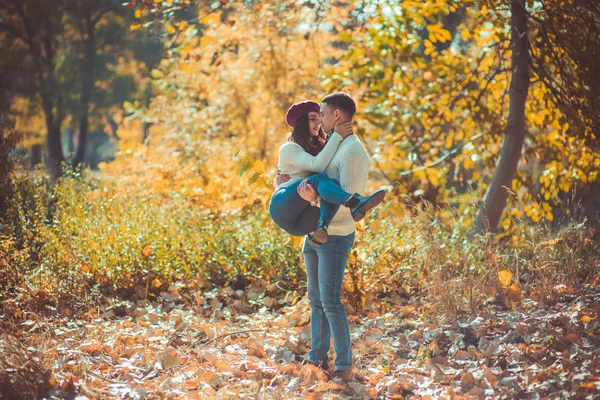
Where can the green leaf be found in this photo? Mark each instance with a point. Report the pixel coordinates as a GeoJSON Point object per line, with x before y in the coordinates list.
{"type": "Point", "coordinates": [245, 167]}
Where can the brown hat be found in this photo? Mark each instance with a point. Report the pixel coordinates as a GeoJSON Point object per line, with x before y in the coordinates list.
{"type": "Point", "coordinates": [300, 109]}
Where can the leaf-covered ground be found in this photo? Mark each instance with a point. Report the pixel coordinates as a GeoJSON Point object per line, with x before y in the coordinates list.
{"type": "Point", "coordinates": [227, 344]}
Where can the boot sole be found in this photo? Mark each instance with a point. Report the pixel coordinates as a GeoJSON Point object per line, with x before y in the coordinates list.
{"type": "Point", "coordinates": [374, 202]}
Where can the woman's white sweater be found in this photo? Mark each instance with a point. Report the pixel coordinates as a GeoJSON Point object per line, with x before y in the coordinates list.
{"type": "Point", "coordinates": [298, 164]}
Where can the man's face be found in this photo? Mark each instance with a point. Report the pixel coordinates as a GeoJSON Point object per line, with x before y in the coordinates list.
{"type": "Point", "coordinates": [329, 117]}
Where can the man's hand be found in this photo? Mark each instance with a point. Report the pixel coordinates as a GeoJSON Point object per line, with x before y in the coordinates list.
{"type": "Point", "coordinates": [307, 191]}
{"type": "Point", "coordinates": [280, 178]}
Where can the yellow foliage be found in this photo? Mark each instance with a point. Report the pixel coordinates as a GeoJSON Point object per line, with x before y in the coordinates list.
{"type": "Point", "coordinates": [170, 28]}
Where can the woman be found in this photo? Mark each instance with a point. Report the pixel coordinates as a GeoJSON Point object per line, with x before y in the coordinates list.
{"type": "Point", "coordinates": [305, 156]}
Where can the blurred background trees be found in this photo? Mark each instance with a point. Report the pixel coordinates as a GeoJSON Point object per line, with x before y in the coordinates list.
{"type": "Point", "coordinates": [433, 83]}
{"type": "Point", "coordinates": [73, 63]}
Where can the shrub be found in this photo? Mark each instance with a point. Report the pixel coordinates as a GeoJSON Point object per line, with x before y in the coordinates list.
{"type": "Point", "coordinates": [168, 220]}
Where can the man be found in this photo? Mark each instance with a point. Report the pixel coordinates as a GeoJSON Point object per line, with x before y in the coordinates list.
{"type": "Point", "coordinates": [325, 265]}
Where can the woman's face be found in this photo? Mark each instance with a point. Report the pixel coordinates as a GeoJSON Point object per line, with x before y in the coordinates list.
{"type": "Point", "coordinates": [314, 123]}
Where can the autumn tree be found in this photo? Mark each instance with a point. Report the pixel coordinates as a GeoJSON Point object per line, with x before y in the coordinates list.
{"type": "Point", "coordinates": [88, 20]}
{"type": "Point", "coordinates": [434, 117]}
{"type": "Point", "coordinates": [566, 59]}
{"type": "Point", "coordinates": [84, 61]}
{"type": "Point", "coordinates": [36, 27]}
{"type": "Point", "coordinates": [434, 83]}
{"type": "Point", "coordinates": [495, 197]}
{"type": "Point", "coordinates": [233, 68]}
{"type": "Point", "coordinates": [8, 140]}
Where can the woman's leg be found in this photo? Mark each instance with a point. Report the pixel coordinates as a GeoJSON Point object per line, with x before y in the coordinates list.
{"type": "Point", "coordinates": [292, 213]}
{"type": "Point", "coordinates": [332, 195]}
{"type": "Point", "coordinates": [327, 211]}
{"type": "Point", "coordinates": [329, 189]}
{"type": "Point", "coordinates": [306, 221]}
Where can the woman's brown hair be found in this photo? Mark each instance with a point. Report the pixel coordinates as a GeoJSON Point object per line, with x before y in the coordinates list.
{"type": "Point", "coordinates": [301, 135]}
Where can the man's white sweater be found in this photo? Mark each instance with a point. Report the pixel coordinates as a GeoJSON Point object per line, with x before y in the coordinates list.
{"type": "Point", "coordinates": [350, 166]}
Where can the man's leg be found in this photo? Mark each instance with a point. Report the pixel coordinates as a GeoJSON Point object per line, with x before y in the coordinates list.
{"type": "Point", "coordinates": [319, 326]}
{"type": "Point", "coordinates": [332, 258]}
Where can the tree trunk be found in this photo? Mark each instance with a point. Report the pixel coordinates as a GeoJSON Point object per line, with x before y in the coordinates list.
{"type": "Point", "coordinates": [36, 155]}
{"type": "Point", "coordinates": [40, 37]}
{"type": "Point", "coordinates": [53, 124]}
{"type": "Point", "coordinates": [146, 126]}
{"type": "Point", "coordinates": [146, 132]}
{"type": "Point", "coordinates": [70, 142]}
{"type": "Point", "coordinates": [87, 84]}
{"type": "Point", "coordinates": [496, 195]}
{"type": "Point", "coordinates": [55, 152]}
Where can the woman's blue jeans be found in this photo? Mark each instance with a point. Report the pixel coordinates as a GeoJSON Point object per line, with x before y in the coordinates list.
{"type": "Point", "coordinates": [325, 267]}
{"type": "Point", "coordinates": [296, 216]}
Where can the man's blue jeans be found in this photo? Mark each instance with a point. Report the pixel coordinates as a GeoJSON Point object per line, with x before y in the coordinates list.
{"type": "Point", "coordinates": [296, 216]}
{"type": "Point", "coordinates": [325, 267]}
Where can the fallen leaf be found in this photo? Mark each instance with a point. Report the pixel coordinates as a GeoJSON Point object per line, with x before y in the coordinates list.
{"type": "Point", "coordinates": [467, 379]}
{"type": "Point", "coordinates": [92, 348]}
{"type": "Point", "coordinates": [573, 338]}
{"type": "Point", "coordinates": [169, 359]}
{"type": "Point", "coordinates": [505, 276]}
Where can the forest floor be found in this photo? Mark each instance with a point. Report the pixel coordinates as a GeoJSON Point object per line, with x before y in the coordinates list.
{"type": "Point", "coordinates": [222, 343]}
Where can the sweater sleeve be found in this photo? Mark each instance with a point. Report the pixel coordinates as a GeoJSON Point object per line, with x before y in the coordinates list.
{"type": "Point", "coordinates": [354, 171]}
{"type": "Point", "coordinates": [294, 154]}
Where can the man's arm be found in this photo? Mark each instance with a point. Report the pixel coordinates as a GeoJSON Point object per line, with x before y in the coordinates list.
{"type": "Point", "coordinates": [280, 178]}
{"type": "Point", "coordinates": [308, 192]}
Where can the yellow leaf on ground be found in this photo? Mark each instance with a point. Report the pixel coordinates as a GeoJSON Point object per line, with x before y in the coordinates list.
{"type": "Point", "coordinates": [505, 277]}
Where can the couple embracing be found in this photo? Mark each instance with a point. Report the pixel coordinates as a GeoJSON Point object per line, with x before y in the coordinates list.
{"type": "Point", "coordinates": [320, 186]}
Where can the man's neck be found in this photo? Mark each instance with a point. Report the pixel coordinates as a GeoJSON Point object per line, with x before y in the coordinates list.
{"type": "Point", "coordinates": [333, 129]}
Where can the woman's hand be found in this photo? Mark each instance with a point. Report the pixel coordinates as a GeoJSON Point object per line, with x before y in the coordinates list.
{"type": "Point", "coordinates": [344, 129]}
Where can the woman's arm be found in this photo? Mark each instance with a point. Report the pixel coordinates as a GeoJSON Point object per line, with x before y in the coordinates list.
{"type": "Point", "coordinates": [294, 154]}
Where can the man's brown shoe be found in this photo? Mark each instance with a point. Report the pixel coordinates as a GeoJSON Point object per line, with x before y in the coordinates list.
{"type": "Point", "coordinates": [345, 375]}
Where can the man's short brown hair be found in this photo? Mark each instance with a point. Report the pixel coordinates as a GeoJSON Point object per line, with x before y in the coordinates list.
{"type": "Point", "coordinates": [341, 101]}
